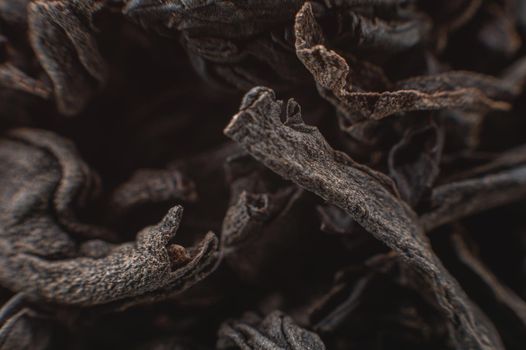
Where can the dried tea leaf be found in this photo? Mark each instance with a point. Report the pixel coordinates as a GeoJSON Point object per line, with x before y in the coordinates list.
{"type": "Point", "coordinates": [275, 331]}
{"type": "Point", "coordinates": [64, 43]}
{"type": "Point", "coordinates": [450, 90]}
{"type": "Point", "coordinates": [299, 152]}
{"type": "Point", "coordinates": [148, 270]}
{"type": "Point", "coordinates": [167, 79]}
{"type": "Point", "coordinates": [455, 200]}
{"type": "Point", "coordinates": [39, 251]}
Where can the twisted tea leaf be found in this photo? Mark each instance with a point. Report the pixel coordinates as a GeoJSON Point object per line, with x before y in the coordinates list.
{"type": "Point", "coordinates": [148, 270]}
{"type": "Point", "coordinates": [41, 257]}
{"type": "Point", "coordinates": [275, 331]}
{"type": "Point", "coordinates": [331, 71]}
{"type": "Point", "coordinates": [300, 153]}
{"type": "Point", "coordinates": [153, 132]}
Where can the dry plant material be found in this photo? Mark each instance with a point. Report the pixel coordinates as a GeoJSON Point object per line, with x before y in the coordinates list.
{"type": "Point", "coordinates": [299, 152]}
{"type": "Point", "coordinates": [40, 255]}
{"type": "Point", "coordinates": [275, 331]}
{"type": "Point", "coordinates": [380, 207]}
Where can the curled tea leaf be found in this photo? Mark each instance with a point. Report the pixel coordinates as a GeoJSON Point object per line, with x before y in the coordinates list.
{"type": "Point", "coordinates": [40, 253]}
{"type": "Point", "coordinates": [300, 153]}
{"type": "Point", "coordinates": [331, 71]}
{"type": "Point", "coordinates": [151, 269]}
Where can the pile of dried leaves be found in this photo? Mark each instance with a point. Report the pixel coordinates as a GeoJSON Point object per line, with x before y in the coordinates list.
{"type": "Point", "coordinates": [369, 192]}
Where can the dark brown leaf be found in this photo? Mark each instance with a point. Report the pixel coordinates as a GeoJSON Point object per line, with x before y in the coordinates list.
{"type": "Point", "coordinates": [40, 255]}
{"type": "Point", "coordinates": [450, 90]}
{"type": "Point", "coordinates": [300, 153]}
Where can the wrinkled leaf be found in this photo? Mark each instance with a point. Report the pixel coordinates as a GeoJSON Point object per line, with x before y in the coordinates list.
{"type": "Point", "coordinates": [39, 252]}
{"type": "Point", "coordinates": [300, 153]}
